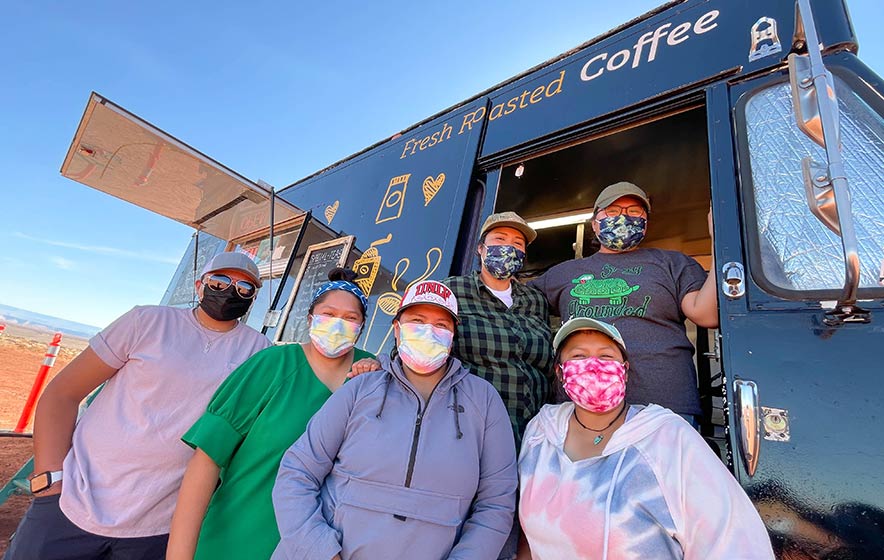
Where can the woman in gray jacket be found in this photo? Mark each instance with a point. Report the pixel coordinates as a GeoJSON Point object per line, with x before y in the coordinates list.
{"type": "Point", "coordinates": [415, 461]}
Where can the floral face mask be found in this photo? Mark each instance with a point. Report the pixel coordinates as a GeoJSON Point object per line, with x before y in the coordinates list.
{"type": "Point", "coordinates": [622, 233]}
{"type": "Point", "coordinates": [503, 261]}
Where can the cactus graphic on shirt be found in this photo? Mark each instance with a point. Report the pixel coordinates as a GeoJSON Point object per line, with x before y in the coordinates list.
{"type": "Point", "coordinates": [588, 287]}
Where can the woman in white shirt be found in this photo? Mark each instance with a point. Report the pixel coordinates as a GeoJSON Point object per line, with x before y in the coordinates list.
{"type": "Point", "coordinates": [601, 479]}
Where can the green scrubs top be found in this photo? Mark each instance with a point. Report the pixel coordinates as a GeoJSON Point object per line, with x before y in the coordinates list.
{"type": "Point", "coordinates": [254, 417]}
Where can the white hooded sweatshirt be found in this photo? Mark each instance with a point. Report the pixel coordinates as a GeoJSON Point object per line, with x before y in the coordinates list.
{"type": "Point", "coordinates": [658, 491]}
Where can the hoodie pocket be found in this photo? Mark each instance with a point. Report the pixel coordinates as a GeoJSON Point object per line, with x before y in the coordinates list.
{"type": "Point", "coordinates": [379, 520]}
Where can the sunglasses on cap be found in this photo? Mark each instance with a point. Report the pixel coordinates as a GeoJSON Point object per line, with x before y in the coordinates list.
{"type": "Point", "coordinates": [220, 282]}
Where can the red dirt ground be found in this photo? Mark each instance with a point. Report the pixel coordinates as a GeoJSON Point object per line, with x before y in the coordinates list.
{"type": "Point", "coordinates": [20, 359]}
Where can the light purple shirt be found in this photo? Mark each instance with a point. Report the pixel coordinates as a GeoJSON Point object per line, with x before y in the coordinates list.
{"type": "Point", "coordinates": [122, 474]}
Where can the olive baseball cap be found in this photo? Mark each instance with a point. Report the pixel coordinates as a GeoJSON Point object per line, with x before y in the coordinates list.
{"type": "Point", "coordinates": [612, 192]}
{"type": "Point", "coordinates": [586, 324]}
{"type": "Point", "coordinates": [509, 219]}
{"type": "Point", "coordinates": [232, 260]}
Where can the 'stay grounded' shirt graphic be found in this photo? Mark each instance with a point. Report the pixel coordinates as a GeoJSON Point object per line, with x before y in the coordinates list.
{"type": "Point", "coordinates": [639, 292]}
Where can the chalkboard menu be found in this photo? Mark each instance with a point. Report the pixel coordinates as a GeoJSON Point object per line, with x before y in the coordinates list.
{"type": "Point", "coordinates": [318, 261]}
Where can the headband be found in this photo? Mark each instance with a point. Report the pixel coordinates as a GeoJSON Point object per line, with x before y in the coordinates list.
{"type": "Point", "coordinates": [344, 286]}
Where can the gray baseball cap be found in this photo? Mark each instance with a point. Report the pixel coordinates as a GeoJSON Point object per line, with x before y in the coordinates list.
{"type": "Point", "coordinates": [232, 260]}
{"type": "Point", "coordinates": [586, 324]}
{"type": "Point", "coordinates": [612, 192]}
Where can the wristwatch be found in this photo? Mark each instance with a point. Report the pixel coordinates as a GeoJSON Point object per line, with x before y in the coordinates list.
{"type": "Point", "coordinates": [44, 480]}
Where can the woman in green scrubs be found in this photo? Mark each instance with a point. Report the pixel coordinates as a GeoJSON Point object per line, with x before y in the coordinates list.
{"type": "Point", "coordinates": [256, 414]}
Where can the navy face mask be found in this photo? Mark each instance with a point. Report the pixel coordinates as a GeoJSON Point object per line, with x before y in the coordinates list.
{"type": "Point", "coordinates": [622, 233]}
{"type": "Point", "coordinates": [503, 261]}
{"type": "Point", "coordinates": [224, 305]}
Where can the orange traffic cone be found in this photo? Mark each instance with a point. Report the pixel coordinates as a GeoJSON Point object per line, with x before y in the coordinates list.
{"type": "Point", "coordinates": [48, 362]}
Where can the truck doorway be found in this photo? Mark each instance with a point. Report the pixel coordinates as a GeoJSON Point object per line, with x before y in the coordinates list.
{"type": "Point", "coordinates": [668, 157]}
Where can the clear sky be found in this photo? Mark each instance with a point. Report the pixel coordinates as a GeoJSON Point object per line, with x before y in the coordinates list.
{"type": "Point", "coordinates": [272, 90]}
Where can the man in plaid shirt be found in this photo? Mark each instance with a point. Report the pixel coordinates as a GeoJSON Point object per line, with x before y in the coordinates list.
{"type": "Point", "coordinates": [504, 334]}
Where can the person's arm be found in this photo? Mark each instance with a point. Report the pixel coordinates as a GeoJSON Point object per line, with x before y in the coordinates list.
{"type": "Point", "coordinates": [217, 435]}
{"type": "Point", "coordinates": [492, 515]}
{"type": "Point", "coordinates": [714, 517]}
{"type": "Point", "coordinates": [56, 414]}
{"type": "Point", "coordinates": [701, 306]}
{"type": "Point", "coordinates": [197, 487]}
{"type": "Point", "coordinates": [304, 532]}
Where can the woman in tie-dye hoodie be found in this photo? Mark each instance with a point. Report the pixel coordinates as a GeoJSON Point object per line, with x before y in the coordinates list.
{"type": "Point", "coordinates": [604, 480]}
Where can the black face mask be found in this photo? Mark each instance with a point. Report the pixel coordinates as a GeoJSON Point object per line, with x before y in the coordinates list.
{"type": "Point", "coordinates": [224, 305]}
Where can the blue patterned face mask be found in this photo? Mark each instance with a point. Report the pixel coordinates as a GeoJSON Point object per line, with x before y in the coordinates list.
{"type": "Point", "coordinates": [503, 261]}
{"type": "Point", "coordinates": [622, 233]}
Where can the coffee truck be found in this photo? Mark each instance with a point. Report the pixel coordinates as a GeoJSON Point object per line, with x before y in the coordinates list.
{"type": "Point", "coordinates": [761, 109]}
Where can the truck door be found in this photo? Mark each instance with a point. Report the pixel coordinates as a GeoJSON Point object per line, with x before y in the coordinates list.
{"type": "Point", "coordinates": [804, 386]}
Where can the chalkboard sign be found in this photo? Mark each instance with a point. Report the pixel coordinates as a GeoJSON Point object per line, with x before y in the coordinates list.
{"type": "Point", "coordinates": [318, 261]}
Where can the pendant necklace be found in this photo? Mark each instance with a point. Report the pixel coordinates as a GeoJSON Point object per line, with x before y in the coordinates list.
{"type": "Point", "coordinates": [209, 339]}
{"type": "Point", "coordinates": [598, 439]}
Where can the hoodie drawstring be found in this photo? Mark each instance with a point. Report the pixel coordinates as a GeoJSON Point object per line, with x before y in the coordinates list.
{"type": "Point", "coordinates": [384, 400]}
{"type": "Point", "coordinates": [457, 415]}
{"type": "Point", "coordinates": [608, 503]}
{"type": "Point", "coordinates": [455, 408]}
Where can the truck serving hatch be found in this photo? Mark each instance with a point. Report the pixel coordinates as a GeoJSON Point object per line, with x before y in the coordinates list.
{"type": "Point", "coordinates": [116, 152]}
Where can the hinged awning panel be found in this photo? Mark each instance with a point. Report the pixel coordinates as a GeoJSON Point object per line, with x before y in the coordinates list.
{"type": "Point", "coordinates": [118, 153]}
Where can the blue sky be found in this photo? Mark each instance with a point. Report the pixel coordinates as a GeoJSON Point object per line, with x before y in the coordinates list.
{"type": "Point", "coordinates": [274, 92]}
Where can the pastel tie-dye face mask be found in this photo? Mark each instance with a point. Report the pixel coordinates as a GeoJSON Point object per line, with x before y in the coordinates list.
{"type": "Point", "coordinates": [424, 348]}
{"type": "Point", "coordinates": [333, 337]}
{"type": "Point", "coordinates": [594, 384]}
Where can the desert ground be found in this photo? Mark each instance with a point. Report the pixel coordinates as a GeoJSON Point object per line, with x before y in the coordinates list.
{"type": "Point", "coordinates": [21, 355]}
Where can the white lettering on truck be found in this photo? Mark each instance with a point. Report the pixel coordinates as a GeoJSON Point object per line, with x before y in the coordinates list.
{"type": "Point", "coordinates": [594, 67]}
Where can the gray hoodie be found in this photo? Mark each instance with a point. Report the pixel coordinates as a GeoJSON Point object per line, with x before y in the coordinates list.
{"type": "Point", "coordinates": [380, 474]}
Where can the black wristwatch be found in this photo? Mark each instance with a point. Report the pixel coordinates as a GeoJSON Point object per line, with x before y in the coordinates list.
{"type": "Point", "coordinates": [44, 480]}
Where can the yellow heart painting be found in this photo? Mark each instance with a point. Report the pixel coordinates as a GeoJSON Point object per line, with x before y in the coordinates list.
{"type": "Point", "coordinates": [331, 210]}
{"type": "Point", "coordinates": [432, 186]}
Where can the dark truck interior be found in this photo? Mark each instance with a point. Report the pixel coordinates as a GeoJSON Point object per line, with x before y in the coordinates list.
{"type": "Point", "coordinates": [669, 158]}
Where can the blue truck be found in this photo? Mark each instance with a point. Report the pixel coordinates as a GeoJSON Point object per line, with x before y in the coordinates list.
{"type": "Point", "coordinates": [761, 109]}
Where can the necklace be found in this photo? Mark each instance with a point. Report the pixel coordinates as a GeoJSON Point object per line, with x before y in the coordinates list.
{"type": "Point", "coordinates": [210, 339]}
{"type": "Point", "coordinates": [598, 439]}
{"type": "Point", "coordinates": [205, 326]}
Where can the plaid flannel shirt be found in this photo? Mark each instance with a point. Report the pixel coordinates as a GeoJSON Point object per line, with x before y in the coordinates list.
{"type": "Point", "coordinates": [511, 347]}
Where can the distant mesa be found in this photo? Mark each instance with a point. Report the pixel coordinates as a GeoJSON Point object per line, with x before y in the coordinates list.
{"type": "Point", "coordinates": [37, 321]}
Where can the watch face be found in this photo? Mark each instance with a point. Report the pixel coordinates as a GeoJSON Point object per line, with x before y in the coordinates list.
{"type": "Point", "coordinates": [40, 482]}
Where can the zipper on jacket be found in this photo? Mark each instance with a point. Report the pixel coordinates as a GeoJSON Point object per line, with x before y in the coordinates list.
{"type": "Point", "coordinates": [414, 438]}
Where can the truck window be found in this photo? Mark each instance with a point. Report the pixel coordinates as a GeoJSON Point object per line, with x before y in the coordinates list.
{"type": "Point", "coordinates": [797, 253]}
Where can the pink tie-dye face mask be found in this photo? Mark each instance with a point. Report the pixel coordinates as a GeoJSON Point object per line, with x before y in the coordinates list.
{"type": "Point", "coordinates": [594, 384]}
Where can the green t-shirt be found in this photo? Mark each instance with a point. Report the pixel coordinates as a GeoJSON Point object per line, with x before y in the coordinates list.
{"type": "Point", "coordinates": [254, 417]}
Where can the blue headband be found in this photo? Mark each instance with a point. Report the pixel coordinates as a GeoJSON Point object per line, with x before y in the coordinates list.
{"type": "Point", "coordinates": [345, 286]}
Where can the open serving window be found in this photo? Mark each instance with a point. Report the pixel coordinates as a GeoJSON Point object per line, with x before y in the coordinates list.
{"type": "Point", "coordinates": [118, 153]}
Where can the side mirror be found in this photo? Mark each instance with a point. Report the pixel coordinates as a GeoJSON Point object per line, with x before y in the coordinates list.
{"type": "Point", "coordinates": [805, 99]}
